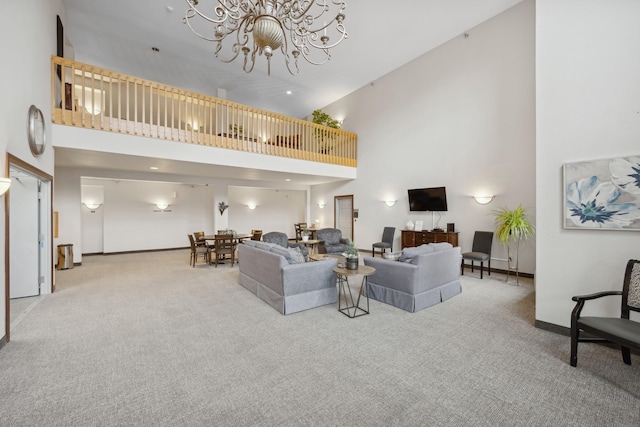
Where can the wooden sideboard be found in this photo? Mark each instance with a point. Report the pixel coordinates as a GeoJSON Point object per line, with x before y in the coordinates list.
{"type": "Point", "coordinates": [412, 238]}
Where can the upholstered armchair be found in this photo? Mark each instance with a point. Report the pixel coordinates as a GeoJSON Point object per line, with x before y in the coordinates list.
{"type": "Point", "coordinates": [333, 242]}
{"type": "Point", "coordinates": [281, 239]}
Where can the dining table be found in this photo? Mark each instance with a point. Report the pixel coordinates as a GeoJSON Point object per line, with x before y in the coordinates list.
{"type": "Point", "coordinates": [237, 238]}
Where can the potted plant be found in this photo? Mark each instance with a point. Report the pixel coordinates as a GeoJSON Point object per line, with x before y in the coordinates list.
{"type": "Point", "coordinates": [235, 130]}
{"type": "Point", "coordinates": [351, 256]}
{"type": "Point", "coordinates": [305, 234]}
{"type": "Point", "coordinates": [322, 118]}
{"type": "Point", "coordinates": [512, 226]}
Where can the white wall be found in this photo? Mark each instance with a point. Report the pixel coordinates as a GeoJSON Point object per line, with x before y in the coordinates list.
{"type": "Point", "coordinates": [588, 107]}
{"type": "Point", "coordinates": [460, 116]}
{"type": "Point", "coordinates": [276, 209]}
{"type": "Point", "coordinates": [29, 30]}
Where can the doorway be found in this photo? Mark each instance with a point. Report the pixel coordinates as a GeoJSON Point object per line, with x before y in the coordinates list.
{"type": "Point", "coordinates": [29, 258]}
{"type": "Point", "coordinates": [343, 215]}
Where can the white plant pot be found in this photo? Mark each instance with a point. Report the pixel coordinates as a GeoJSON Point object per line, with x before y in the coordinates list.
{"type": "Point", "coordinates": [305, 238]}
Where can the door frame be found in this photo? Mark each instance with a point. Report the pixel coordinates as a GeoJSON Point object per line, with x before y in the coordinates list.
{"type": "Point", "coordinates": [13, 161]}
{"type": "Point", "coordinates": [335, 219]}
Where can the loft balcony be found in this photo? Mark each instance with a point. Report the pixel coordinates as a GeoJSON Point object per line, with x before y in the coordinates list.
{"type": "Point", "coordinates": [100, 99]}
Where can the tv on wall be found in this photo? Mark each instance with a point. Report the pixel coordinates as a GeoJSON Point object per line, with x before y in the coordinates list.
{"type": "Point", "coordinates": [432, 199]}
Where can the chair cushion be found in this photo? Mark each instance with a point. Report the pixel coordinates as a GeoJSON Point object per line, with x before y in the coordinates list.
{"type": "Point", "coordinates": [382, 245]}
{"type": "Point", "coordinates": [409, 253]}
{"type": "Point", "coordinates": [476, 256]}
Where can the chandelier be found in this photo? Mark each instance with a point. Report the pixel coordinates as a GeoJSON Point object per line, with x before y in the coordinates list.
{"type": "Point", "coordinates": [298, 28]}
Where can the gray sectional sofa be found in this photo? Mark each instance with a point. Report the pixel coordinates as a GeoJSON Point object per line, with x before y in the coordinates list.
{"type": "Point", "coordinates": [282, 279]}
{"type": "Point", "coordinates": [424, 276]}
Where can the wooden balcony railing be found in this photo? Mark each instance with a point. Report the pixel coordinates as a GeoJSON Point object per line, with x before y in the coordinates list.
{"type": "Point", "coordinates": [105, 100]}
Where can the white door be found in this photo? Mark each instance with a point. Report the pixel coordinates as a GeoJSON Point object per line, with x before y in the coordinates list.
{"type": "Point", "coordinates": [344, 215]}
{"type": "Point", "coordinates": [24, 231]}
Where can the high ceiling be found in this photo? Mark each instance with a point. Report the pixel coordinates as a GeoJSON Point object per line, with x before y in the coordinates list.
{"type": "Point", "coordinates": [383, 35]}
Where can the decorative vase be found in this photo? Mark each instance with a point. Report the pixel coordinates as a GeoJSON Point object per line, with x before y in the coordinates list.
{"type": "Point", "coordinates": [352, 263]}
{"type": "Point", "coordinates": [305, 238]}
{"type": "Point", "coordinates": [410, 225]}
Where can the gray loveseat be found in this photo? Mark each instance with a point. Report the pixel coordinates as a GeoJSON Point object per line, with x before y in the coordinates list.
{"type": "Point", "coordinates": [424, 276]}
{"type": "Point", "coordinates": [288, 287]}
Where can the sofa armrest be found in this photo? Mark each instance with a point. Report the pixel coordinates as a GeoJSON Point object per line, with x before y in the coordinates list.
{"type": "Point", "coordinates": [309, 276]}
{"type": "Point", "coordinates": [345, 240]}
{"type": "Point", "coordinates": [393, 274]}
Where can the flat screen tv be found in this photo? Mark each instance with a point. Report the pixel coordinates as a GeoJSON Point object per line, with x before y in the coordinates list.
{"type": "Point", "coordinates": [432, 199]}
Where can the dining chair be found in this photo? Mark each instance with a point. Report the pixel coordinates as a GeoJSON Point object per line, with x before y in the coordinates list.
{"type": "Point", "coordinates": [386, 243]}
{"type": "Point", "coordinates": [480, 251]}
{"type": "Point", "coordinates": [224, 248]}
{"type": "Point", "coordinates": [299, 227]}
{"type": "Point", "coordinates": [198, 250]}
{"type": "Point", "coordinates": [199, 237]}
{"type": "Point", "coordinates": [256, 234]}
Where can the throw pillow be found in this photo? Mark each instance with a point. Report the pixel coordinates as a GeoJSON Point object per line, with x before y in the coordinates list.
{"type": "Point", "coordinates": [296, 256]}
{"type": "Point", "coordinates": [279, 250]}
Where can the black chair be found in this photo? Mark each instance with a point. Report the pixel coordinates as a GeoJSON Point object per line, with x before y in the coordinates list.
{"type": "Point", "coordinates": [387, 241]}
{"type": "Point", "coordinates": [618, 330]}
{"type": "Point", "coordinates": [480, 251]}
{"type": "Point", "coordinates": [198, 250]}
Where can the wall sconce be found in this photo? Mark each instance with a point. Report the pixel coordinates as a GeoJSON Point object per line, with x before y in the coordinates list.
{"type": "Point", "coordinates": [162, 206]}
{"type": "Point", "coordinates": [251, 206]}
{"type": "Point", "coordinates": [92, 206]}
{"type": "Point", "coordinates": [483, 200]}
{"type": "Point", "coordinates": [390, 202]}
{"type": "Point", "coordinates": [321, 205]}
{"type": "Point", "coordinates": [5, 183]}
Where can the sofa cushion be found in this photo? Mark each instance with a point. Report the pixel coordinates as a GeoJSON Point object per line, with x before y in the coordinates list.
{"type": "Point", "coordinates": [442, 246]}
{"type": "Point", "coordinates": [409, 253]}
{"type": "Point", "coordinates": [279, 250]}
{"type": "Point", "coordinates": [250, 242]}
{"type": "Point", "coordinates": [265, 246]}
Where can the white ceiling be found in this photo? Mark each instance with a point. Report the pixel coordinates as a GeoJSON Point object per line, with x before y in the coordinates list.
{"type": "Point", "coordinates": [383, 35]}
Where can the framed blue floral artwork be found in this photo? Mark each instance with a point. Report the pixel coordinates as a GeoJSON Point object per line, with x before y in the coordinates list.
{"type": "Point", "coordinates": [602, 194]}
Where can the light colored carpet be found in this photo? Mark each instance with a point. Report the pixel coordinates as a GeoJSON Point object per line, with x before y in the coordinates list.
{"type": "Point", "coordinates": [146, 340]}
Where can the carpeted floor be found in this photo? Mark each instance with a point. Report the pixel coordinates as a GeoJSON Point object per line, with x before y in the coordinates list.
{"type": "Point", "coordinates": [146, 340]}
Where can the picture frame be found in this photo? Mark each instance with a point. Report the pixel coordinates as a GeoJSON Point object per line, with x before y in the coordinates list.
{"type": "Point", "coordinates": [418, 226]}
{"type": "Point", "coordinates": [602, 194]}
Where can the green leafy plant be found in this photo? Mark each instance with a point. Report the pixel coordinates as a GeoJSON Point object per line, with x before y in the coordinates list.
{"type": "Point", "coordinates": [306, 232]}
{"type": "Point", "coordinates": [513, 226]}
{"type": "Point", "coordinates": [222, 206]}
{"type": "Point", "coordinates": [322, 118]}
{"type": "Point", "coordinates": [235, 130]}
{"type": "Point", "coordinates": [351, 252]}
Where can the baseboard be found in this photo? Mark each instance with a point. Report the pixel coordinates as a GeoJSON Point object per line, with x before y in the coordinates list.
{"type": "Point", "coordinates": [551, 327]}
{"type": "Point", "coordinates": [134, 252]}
{"type": "Point", "coordinates": [499, 270]}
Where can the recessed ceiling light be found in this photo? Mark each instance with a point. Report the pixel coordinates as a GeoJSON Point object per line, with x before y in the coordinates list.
{"type": "Point", "coordinates": [288, 179]}
{"type": "Point", "coordinates": [154, 168]}
{"type": "Point", "coordinates": [289, 92]}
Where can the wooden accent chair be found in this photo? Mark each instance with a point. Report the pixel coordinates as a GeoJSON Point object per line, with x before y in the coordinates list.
{"type": "Point", "coordinates": [224, 249]}
{"type": "Point", "coordinates": [198, 250]}
{"type": "Point", "coordinates": [618, 330]}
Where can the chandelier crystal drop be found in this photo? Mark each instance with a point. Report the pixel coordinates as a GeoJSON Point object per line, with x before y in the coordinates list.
{"type": "Point", "coordinates": [297, 28]}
